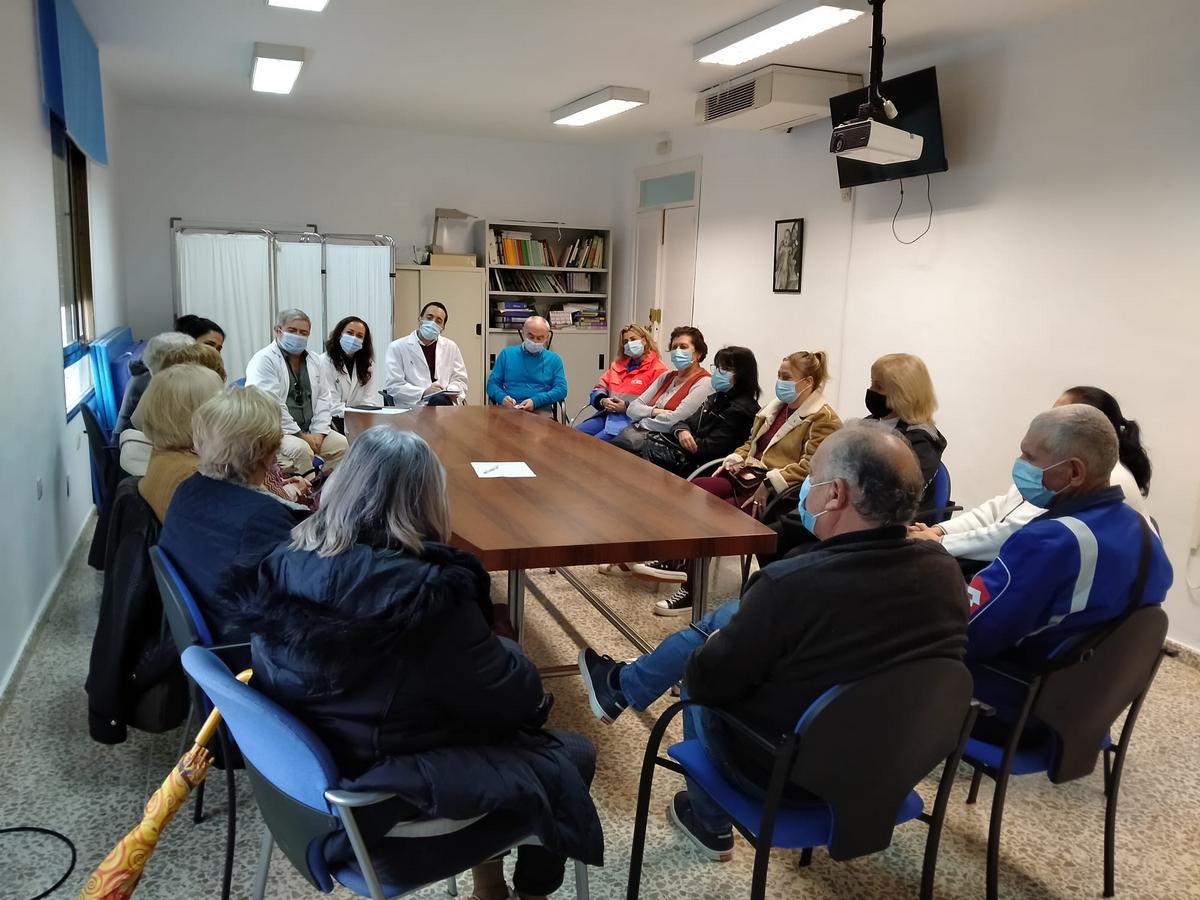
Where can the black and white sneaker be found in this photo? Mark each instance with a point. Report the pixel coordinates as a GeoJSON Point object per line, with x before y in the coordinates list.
{"type": "Point", "coordinates": [672, 571]}
{"type": "Point", "coordinates": [600, 678]}
{"type": "Point", "coordinates": [678, 604]}
{"type": "Point", "coordinates": [717, 847]}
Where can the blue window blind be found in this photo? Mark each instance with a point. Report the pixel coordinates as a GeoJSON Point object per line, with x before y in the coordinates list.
{"type": "Point", "coordinates": [71, 76]}
{"type": "Point", "coordinates": [679, 188]}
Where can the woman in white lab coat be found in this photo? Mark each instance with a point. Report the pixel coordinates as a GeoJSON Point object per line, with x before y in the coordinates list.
{"type": "Point", "coordinates": [349, 361]}
{"type": "Point", "coordinates": [425, 367]}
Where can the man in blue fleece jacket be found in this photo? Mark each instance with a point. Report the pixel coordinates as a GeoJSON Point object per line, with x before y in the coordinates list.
{"type": "Point", "coordinates": [529, 376]}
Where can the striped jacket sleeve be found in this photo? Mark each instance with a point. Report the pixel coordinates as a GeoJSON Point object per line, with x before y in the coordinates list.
{"type": "Point", "coordinates": [1028, 587]}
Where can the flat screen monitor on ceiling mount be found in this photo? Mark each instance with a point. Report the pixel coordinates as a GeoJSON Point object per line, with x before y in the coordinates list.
{"type": "Point", "coordinates": [916, 98]}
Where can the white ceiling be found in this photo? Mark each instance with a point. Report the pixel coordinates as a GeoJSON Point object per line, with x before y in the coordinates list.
{"type": "Point", "coordinates": [485, 67]}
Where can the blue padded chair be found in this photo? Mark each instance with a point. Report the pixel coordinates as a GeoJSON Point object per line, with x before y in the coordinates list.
{"type": "Point", "coordinates": [295, 784]}
{"type": "Point", "coordinates": [1076, 696]}
{"type": "Point", "coordinates": [860, 748]}
{"type": "Point", "coordinates": [941, 505]}
{"type": "Point", "coordinates": [241, 382]}
{"type": "Point", "coordinates": [188, 628]}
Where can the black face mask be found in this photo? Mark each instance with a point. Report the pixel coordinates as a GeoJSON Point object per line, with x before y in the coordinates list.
{"type": "Point", "coordinates": [877, 404]}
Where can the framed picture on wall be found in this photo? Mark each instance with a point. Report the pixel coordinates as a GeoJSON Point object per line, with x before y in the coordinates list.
{"type": "Point", "coordinates": [788, 256]}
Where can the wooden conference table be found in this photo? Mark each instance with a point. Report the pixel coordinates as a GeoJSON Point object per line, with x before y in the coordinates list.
{"type": "Point", "coordinates": [589, 503]}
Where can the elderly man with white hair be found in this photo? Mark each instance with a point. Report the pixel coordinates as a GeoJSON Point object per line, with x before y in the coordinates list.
{"type": "Point", "coordinates": [304, 390]}
{"type": "Point", "coordinates": [529, 376]}
{"type": "Point", "coordinates": [1077, 565]}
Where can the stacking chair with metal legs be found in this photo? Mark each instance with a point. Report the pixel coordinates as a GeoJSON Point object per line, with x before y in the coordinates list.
{"type": "Point", "coordinates": [1074, 698]}
{"type": "Point", "coordinates": [859, 750]}
{"type": "Point", "coordinates": [188, 629]}
{"type": "Point", "coordinates": [295, 783]}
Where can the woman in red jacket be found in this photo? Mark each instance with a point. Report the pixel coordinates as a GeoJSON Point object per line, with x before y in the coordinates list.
{"type": "Point", "coordinates": [626, 379]}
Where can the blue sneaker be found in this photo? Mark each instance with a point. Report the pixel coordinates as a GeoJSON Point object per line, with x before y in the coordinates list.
{"type": "Point", "coordinates": [717, 847]}
{"type": "Point", "coordinates": [603, 687]}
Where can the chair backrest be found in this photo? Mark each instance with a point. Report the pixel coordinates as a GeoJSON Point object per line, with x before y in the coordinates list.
{"type": "Point", "coordinates": [865, 745]}
{"type": "Point", "coordinates": [941, 488]}
{"type": "Point", "coordinates": [1094, 679]}
{"type": "Point", "coordinates": [104, 463]}
{"type": "Point", "coordinates": [289, 768]}
{"type": "Point", "coordinates": [183, 615]}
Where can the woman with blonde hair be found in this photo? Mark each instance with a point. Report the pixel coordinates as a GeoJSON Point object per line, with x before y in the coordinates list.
{"type": "Point", "coordinates": [626, 379]}
{"type": "Point", "coordinates": [167, 407]}
{"type": "Point", "coordinates": [222, 516]}
{"type": "Point", "coordinates": [901, 394]}
{"type": "Point", "coordinates": [377, 633]}
{"type": "Point", "coordinates": [785, 435]}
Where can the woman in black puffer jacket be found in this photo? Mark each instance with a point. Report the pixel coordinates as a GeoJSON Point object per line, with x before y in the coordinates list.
{"type": "Point", "coordinates": [376, 633]}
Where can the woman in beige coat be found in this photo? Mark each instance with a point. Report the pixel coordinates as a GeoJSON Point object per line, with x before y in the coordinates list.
{"type": "Point", "coordinates": [783, 439]}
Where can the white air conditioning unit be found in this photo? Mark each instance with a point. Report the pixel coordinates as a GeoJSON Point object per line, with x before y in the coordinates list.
{"type": "Point", "coordinates": [774, 98]}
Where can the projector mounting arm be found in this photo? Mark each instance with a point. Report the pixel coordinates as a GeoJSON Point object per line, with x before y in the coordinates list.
{"type": "Point", "coordinates": [877, 106]}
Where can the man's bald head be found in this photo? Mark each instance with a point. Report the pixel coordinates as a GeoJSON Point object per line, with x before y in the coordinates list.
{"type": "Point", "coordinates": [879, 468]}
{"type": "Point", "coordinates": [537, 329]}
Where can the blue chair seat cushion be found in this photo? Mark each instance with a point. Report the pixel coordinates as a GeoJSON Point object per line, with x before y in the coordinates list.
{"type": "Point", "coordinates": [796, 827]}
{"type": "Point", "coordinates": [349, 877]}
{"type": "Point", "coordinates": [1026, 761]}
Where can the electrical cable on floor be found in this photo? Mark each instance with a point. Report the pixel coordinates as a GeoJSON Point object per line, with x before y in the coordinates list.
{"type": "Point", "coordinates": [928, 224]}
{"type": "Point", "coordinates": [30, 829]}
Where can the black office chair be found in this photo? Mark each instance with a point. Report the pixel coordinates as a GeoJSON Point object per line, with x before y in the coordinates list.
{"type": "Point", "coordinates": [1074, 697]}
{"type": "Point", "coordinates": [860, 748]}
{"type": "Point", "coordinates": [188, 629]}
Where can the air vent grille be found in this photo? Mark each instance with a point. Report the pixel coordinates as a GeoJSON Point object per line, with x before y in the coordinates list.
{"type": "Point", "coordinates": [734, 100]}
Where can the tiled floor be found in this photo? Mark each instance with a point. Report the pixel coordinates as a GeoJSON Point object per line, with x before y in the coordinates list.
{"type": "Point", "coordinates": [53, 775]}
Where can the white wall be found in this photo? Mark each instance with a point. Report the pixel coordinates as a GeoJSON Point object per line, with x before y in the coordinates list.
{"type": "Point", "coordinates": [240, 169]}
{"type": "Point", "coordinates": [1062, 250]}
{"type": "Point", "coordinates": [36, 536]}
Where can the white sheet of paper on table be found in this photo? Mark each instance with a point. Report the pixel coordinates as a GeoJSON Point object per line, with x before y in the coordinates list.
{"type": "Point", "coordinates": [503, 470]}
{"type": "Point", "coordinates": [383, 411]}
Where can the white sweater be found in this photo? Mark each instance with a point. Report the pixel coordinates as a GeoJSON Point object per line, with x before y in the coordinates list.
{"type": "Point", "coordinates": [981, 532]}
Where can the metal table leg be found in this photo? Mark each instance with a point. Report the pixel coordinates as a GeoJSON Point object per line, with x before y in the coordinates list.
{"type": "Point", "coordinates": [698, 576]}
{"type": "Point", "coordinates": [516, 602]}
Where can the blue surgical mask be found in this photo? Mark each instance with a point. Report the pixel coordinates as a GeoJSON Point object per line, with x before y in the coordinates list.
{"type": "Point", "coordinates": [634, 349]}
{"type": "Point", "coordinates": [807, 519]}
{"type": "Point", "coordinates": [681, 358]}
{"type": "Point", "coordinates": [721, 380]}
{"type": "Point", "coordinates": [1028, 479]}
{"type": "Point", "coordinates": [350, 344]}
{"type": "Point", "coordinates": [532, 346]}
{"type": "Point", "coordinates": [293, 343]}
{"type": "Point", "coordinates": [429, 330]}
{"type": "Point", "coordinates": [786, 391]}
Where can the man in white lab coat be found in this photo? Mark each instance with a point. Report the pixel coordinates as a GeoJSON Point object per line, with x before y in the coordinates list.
{"type": "Point", "coordinates": [425, 367]}
{"type": "Point", "coordinates": [301, 385]}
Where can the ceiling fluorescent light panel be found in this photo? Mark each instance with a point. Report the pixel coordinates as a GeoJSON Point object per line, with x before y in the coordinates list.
{"type": "Point", "coordinates": [276, 68]}
{"type": "Point", "coordinates": [600, 105]}
{"type": "Point", "coordinates": [774, 29]}
{"type": "Point", "coordinates": [306, 5]}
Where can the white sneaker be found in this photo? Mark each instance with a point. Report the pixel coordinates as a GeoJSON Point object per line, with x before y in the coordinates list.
{"type": "Point", "coordinates": [670, 572]}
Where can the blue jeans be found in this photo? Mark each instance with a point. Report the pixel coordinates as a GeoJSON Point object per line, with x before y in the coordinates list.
{"type": "Point", "coordinates": [651, 675]}
{"type": "Point", "coordinates": [594, 425]}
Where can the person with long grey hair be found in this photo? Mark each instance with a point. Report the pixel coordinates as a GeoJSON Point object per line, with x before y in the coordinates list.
{"type": "Point", "coordinates": [378, 634]}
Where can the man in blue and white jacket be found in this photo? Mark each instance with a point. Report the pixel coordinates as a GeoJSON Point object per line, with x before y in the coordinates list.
{"type": "Point", "coordinates": [1074, 567]}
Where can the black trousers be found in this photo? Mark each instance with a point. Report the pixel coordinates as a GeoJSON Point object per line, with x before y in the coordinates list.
{"type": "Point", "coordinates": [539, 872]}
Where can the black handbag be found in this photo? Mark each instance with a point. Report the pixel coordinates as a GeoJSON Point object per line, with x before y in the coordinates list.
{"type": "Point", "coordinates": [664, 451]}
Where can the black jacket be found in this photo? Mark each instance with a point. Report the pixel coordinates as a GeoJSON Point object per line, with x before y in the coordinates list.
{"type": "Point", "coordinates": [721, 424]}
{"type": "Point", "coordinates": [134, 677]}
{"type": "Point", "coordinates": [852, 606]}
{"type": "Point", "coordinates": [136, 386]}
{"type": "Point", "coordinates": [929, 444]}
{"type": "Point", "coordinates": [391, 660]}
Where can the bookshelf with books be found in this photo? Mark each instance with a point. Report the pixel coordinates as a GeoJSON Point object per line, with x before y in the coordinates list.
{"type": "Point", "coordinates": [559, 272]}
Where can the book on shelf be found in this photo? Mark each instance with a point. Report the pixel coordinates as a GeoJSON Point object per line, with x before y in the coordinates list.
{"type": "Point", "coordinates": [560, 318]}
{"type": "Point", "coordinates": [521, 248]}
{"type": "Point", "coordinates": [541, 282]}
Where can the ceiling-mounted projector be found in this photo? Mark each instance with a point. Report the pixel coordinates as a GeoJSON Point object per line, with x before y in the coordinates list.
{"type": "Point", "coordinates": [874, 142]}
{"type": "Point", "coordinates": [867, 138]}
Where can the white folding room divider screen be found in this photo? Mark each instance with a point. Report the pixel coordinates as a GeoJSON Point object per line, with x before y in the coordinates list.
{"type": "Point", "coordinates": [241, 279]}
{"type": "Point", "coordinates": [227, 278]}
{"type": "Point", "coordinates": [358, 282]}
{"type": "Point", "coordinates": [298, 285]}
